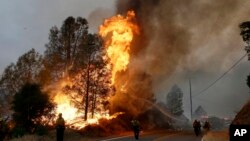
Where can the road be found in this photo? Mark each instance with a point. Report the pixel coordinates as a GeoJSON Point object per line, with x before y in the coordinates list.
{"type": "Point", "coordinates": [159, 137]}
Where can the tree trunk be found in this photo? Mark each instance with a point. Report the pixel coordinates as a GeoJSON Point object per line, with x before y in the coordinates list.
{"type": "Point", "coordinates": [93, 105]}
{"type": "Point", "coordinates": [87, 92]}
{"type": "Point", "coordinates": [68, 54]}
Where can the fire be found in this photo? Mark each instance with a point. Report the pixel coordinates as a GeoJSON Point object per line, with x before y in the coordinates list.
{"type": "Point", "coordinates": [64, 104]}
{"type": "Point", "coordinates": [71, 114]}
{"type": "Point", "coordinates": [118, 33]}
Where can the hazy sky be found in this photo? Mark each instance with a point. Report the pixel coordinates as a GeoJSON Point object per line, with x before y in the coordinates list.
{"type": "Point", "coordinates": [25, 24]}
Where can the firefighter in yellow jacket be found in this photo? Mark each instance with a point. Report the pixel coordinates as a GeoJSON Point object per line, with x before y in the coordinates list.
{"type": "Point", "coordinates": [60, 127]}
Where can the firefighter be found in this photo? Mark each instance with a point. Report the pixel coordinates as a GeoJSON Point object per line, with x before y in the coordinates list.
{"type": "Point", "coordinates": [197, 127]}
{"type": "Point", "coordinates": [136, 128]}
{"type": "Point", "coordinates": [206, 126]}
{"type": "Point", "coordinates": [60, 127]}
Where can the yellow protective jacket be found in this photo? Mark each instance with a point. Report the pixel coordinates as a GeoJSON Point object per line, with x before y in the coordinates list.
{"type": "Point", "coordinates": [135, 123]}
{"type": "Point", "coordinates": [60, 122]}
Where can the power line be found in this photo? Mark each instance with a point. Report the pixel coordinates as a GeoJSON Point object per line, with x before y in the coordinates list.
{"type": "Point", "coordinates": [209, 86]}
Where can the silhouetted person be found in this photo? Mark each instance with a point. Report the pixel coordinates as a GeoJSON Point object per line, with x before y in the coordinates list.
{"type": "Point", "coordinates": [136, 128]}
{"type": "Point", "coordinates": [60, 127]}
{"type": "Point", "coordinates": [206, 126]}
{"type": "Point", "coordinates": [197, 127]}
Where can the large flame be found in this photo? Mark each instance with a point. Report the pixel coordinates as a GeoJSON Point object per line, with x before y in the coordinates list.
{"type": "Point", "coordinates": [71, 114]}
{"type": "Point", "coordinates": [64, 104]}
{"type": "Point", "coordinates": [118, 33]}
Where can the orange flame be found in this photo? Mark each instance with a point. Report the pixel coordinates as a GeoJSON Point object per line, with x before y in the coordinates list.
{"type": "Point", "coordinates": [71, 114]}
{"type": "Point", "coordinates": [118, 33]}
{"type": "Point", "coordinates": [63, 102]}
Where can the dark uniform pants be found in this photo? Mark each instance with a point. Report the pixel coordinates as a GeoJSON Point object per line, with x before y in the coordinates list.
{"type": "Point", "coordinates": [136, 132]}
{"type": "Point", "coordinates": [59, 133]}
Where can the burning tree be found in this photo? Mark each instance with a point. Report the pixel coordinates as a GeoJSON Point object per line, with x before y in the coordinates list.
{"type": "Point", "coordinates": [76, 61]}
{"type": "Point", "coordinates": [118, 33]}
{"type": "Point", "coordinates": [87, 74]}
{"type": "Point", "coordinates": [73, 70]}
{"type": "Point", "coordinates": [90, 86]}
{"type": "Point", "coordinates": [65, 50]}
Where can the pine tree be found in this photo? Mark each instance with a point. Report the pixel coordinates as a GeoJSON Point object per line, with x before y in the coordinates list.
{"type": "Point", "coordinates": [30, 104]}
{"type": "Point", "coordinates": [174, 101]}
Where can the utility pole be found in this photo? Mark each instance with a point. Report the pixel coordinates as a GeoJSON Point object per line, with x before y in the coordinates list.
{"type": "Point", "coordinates": [191, 103]}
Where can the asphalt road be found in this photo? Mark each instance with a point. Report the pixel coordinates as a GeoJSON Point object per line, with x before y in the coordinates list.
{"type": "Point", "coordinates": [159, 137]}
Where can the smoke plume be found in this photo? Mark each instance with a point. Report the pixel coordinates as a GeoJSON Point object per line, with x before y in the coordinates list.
{"type": "Point", "coordinates": [179, 37]}
{"type": "Point", "coordinates": [97, 16]}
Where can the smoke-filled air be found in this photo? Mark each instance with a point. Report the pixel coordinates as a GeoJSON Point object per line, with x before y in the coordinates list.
{"type": "Point", "coordinates": [183, 39]}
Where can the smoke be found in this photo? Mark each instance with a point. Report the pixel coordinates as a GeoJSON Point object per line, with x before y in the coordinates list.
{"type": "Point", "coordinates": [180, 39]}
{"type": "Point", "coordinates": [97, 16]}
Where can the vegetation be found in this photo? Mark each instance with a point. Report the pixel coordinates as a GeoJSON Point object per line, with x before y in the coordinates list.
{"type": "Point", "coordinates": [71, 53]}
{"type": "Point", "coordinates": [245, 33]}
{"type": "Point", "coordinates": [30, 106]}
{"type": "Point", "coordinates": [243, 116]}
{"type": "Point", "coordinates": [74, 53]}
{"type": "Point", "coordinates": [25, 70]}
{"type": "Point", "coordinates": [174, 101]}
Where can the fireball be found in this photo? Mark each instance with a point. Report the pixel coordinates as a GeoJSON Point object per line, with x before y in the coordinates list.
{"type": "Point", "coordinates": [118, 33]}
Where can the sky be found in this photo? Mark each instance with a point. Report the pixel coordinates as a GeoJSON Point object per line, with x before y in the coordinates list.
{"type": "Point", "coordinates": [25, 24]}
